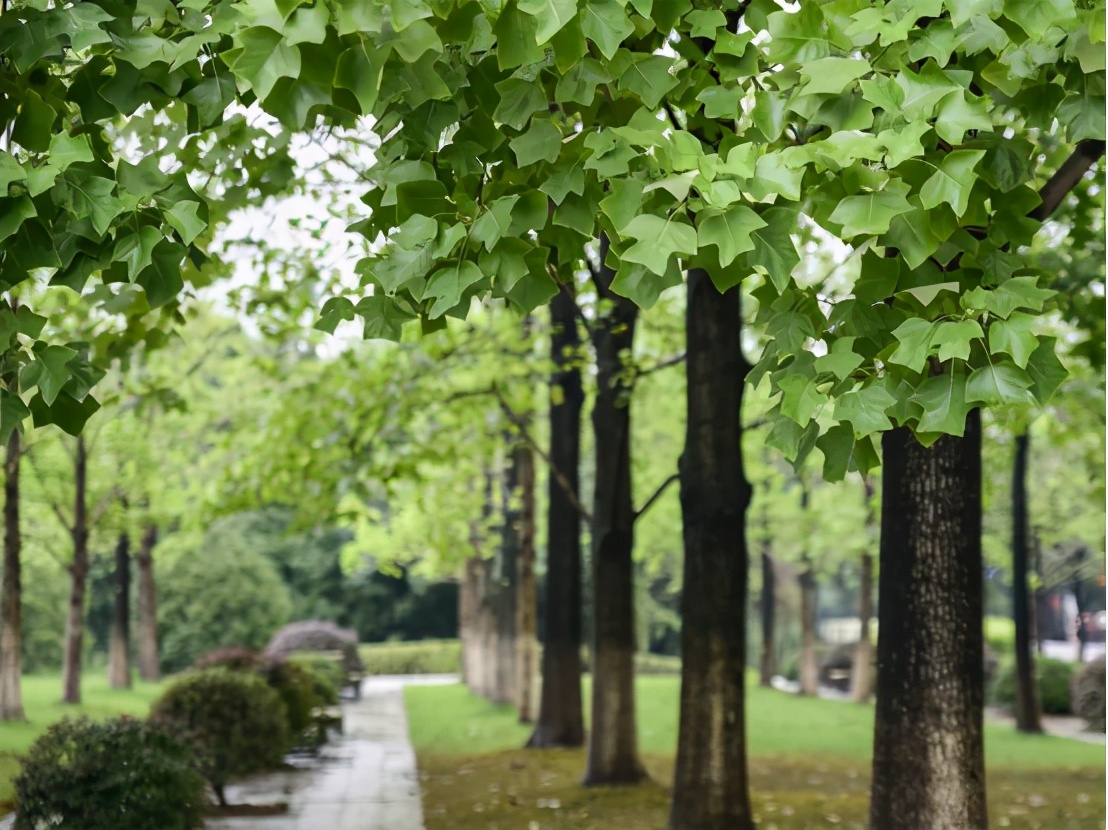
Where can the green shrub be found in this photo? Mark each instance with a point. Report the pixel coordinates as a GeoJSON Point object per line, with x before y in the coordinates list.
{"type": "Point", "coordinates": [1000, 635]}
{"type": "Point", "coordinates": [1087, 698]}
{"type": "Point", "coordinates": [234, 722]}
{"type": "Point", "coordinates": [109, 775]}
{"type": "Point", "coordinates": [1053, 677]}
{"type": "Point", "coordinates": [295, 684]}
{"type": "Point", "coordinates": [235, 658]}
{"type": "Point", "coordinates": [327, 672]}
{"type": "Point", "coordinates": [657, 664]}
{"type": "Point", "coordinates": [420, 657]}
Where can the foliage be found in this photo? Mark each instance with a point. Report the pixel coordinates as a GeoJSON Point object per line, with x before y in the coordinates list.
{"type": "Point", "coordinates": [83, 775]}
{"type": "Point", "coordinates": [296, 685]}
{"type": "Point", "coordinates": [422, 657]}
{"type": "Point", "coordinates": [218, 595]}
{"type": "Point", "coordinates": [1088, 693]}
{"type": "Point", "coordinates": [234, 722]}
{"type": "Point", "coordinates": [233, 658]}
{"type": "Point", "coordinates": [1000, 635]}
{"type": "Point", "coordinates": [328, 676]}
{"type": "Point", "coordinates": [1053, 678]}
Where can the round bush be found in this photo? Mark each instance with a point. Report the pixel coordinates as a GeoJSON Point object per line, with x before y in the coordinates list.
{"type": "Point", "coordinates": [327, 673]}
{"type": "Point", "coordinates": [235, 658]}
{"type": "Point", "coordinates": [234, 722]}
{"type": "Point", "coordinates": [1053, 677]}
{"type": "Point", "coordinates": [116, 774]}
{"type": "Point", "coordinates": [295, 684]}
{"type": "Point", "coordinates": [1088, 694]}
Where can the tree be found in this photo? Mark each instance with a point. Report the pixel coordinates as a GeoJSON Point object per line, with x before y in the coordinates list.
{"type": "Point", "coordinates": [1028, 717]}
{"type": "Point", "coordinates": [119, 643]}
{"type": "Point", "coordinates": [11, 598]}
{"type": "Point", "coordinates": [146, 607]}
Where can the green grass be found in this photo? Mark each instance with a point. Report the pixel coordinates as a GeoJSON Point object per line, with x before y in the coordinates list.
{"type": "Point", "coordinates": [42, 705]}
{"type": "Point", "coordinates": [450, 720]}
{"type": "Point", "coordinates": [809, 767]}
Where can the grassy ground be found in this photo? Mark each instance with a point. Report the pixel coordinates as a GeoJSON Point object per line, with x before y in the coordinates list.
{"type": "Point", "coordinates": [42, 705]}
{"type": "Point", "coordinates": [809, 768]}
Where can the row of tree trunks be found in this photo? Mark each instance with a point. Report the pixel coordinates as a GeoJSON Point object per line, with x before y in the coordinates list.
{"type": "Point", "coordinates": [613, 755]}
{"type": "Point", "coordinates": [560, 720]}
{"type": "Point", "coordinates": [11, 608]}
{"type": "Point", "coordinates": [78, 580]}
{"type": "Point", "coordinates": [119, 635]}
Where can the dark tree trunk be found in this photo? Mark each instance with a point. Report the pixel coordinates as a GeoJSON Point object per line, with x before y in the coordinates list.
{"type": "Point", "coordinates": [119, 643]}
{"type": "Point", "coordinates": [769, 618]}
{"type": "Point", "coordinates": [78, 580]}
{"type": "Point", "coordinates": [147, 607]}
{"type": "Point", "coordinates": [506, 597]}
{"type": "Point", "coordinates": [1027, 693]}
{"type": "Point", "coordinates": [11, 593]}
{"type": "Point", "coordinates": [527, 620]}
{"type": "Point", "coordinates": [613, 752]}
{"type": "Point", "coordinates": [809, 667]}
{"type": "Point", "coordinates": [928, 748]}
{"type": "Point", "coordinates": [861, 679]}
{"type": "Point", "coordinates": [560, 720]}
{"type": "Point", "coordinates": [710, 789]}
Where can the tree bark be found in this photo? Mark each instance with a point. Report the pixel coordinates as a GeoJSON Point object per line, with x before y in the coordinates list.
{"type": "Point", "coordinates": [711, 789]}
{"type": "Point", "coordinates": [78, 580]}
{"type": "Point", "coordinates": [928, 749]}
{"type": "Point", "coordinates": [613, 751]}
{"type": "Point", "coordinates": [147, 607]}
{"type": "Point", "coordinates": [505, 599]}
{"type": "Point", "coordinates": [560, 721]}
{"type": "Point", "coordinates": [119, 643]}
{"type": "Point", "coordinates": [11, 592]}
{"type": "Point", "coordinates": [861, 671]}
{"type": "Point", "coordinates": [467, 622]}
{"type": "Point", "coordinates": [769, 618]}
{"type": "Point", "coordinates": [1027, 693]}
{"type": "Point", "coordinates": [527, 621]}
{"type": "Point", "coordinates": [809, 666]}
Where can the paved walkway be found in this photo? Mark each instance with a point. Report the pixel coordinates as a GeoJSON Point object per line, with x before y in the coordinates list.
{"type": "Point", "coordinates": [367, 780]}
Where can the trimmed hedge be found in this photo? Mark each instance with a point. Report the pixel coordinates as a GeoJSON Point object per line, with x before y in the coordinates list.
{"type": "Point", "coordinates": [419, 657]}
{"type": "Point", "coordinates": [109, 775]}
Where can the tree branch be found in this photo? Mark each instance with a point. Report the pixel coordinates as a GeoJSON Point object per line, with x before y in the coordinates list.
{"type": "Point", "coordinates": [521, 427]}
{"type": "Point", "coordinates": [1084, 156]}
{"type": "Point", "coordinates": [657, 495]}
{"type": "Point", "coordinates": [676, 360]}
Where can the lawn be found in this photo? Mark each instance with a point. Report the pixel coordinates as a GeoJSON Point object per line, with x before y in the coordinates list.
{"type": "Point", "coordinates": [42, 705]}
{"type": "Point", "coordinates": [809, 767]}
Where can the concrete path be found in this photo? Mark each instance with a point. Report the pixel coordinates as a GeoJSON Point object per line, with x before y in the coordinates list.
{"type": "Point", "coordinates": [367, 780]}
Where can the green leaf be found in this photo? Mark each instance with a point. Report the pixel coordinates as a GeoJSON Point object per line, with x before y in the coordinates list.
{"type": "Point", "coordinates": [384, 318]}
{"type": "Point", "coordinates": [952, 181]}
{"type": "Point", "coordinates": [918, 234]}
{"type": "Point", "coordinates": [185, 219]}
{"type": "Point", "coordinates": [334, 311]}
{"type": "Point", "coordinates": [774, 249]}
{"type": "Point", "coordinates": [841, 360]}
{"type": "Point", "coordinates": [658, 240]}
{"type": "Point", "coordinates": [551, 15]}
{"type": "Point", "coordinates": [541, 142]}
{"type": "Point", "coordinates": [640, 285]}
{"type": "Point", "coordinates": [830, 76]}
{"type": "Point", "coordinates": [649, 77]}
{"type": "Point", "coordinates": [800, 398]}
{"type": "Point", "coordinates": [1017, 292]}
{"type": "Point", "coordinates": [955, 339]}
{"type": "Point", "coordinates": [913, 343]}
{"type": "Point", "coordinates": [1045, 370]}
{"type": "Point", "coordinates": [516, 38]}
{"type": "Point", "coordinates": [606, 24]}
{"type": "Point", "coordinates": [865, 409]}
{"type": "Point", "coordinates": [871, 214]}
{"type": "Point", "coordinates": [68, 414]}
{"type": "Point", "coordinates": [837, 446]}
{"type": "Point", "coordinates": [1036, 16]}
{"type": "Point", "coordinates": [13, 213]}
{"type": "Point", "coordinates": [774, 177]}
{"type": "Point", "coordinates": [265, 57]}
{"type": "Point", "coordinates": [136, 250]}
{"type": "Point", "coordinates": [13, 412]}
{"type": "Point", "coordinates": [999, 383]}
{"type": "Point", "coordinates": [92, 197]}
{"type": "Point", "coordinates": [48, 371]}
{"type": "Point", "coordinates": [492, 225]}
{"type": "Point", "coordinates": [359, 70]}
{"type": "Point", "coordinates": [943, 399]}
{"type": "Point", "coordinates": [1014, 337]}
{"type": "Point", "coordinates": [519, 99]}
{"type": "Point", "coordinates": [729, 231]}
{"type": "Point", "coordinates": [161, 280]}
{"type": "Point", "coordinates": [211, 97]}
{"type": "Point", "coordinates": [66, 149]}
{"type": "Point", "coordinates": [34, 125]}
{"type": "Point", "coordinates": [423, 198]}
{"type": "Point", "coordinates": [957, 116]}
{"type": "Point", "coordinates": [448, 283]}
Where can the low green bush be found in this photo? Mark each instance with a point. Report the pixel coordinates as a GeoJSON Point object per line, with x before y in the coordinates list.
{"type": "Point", "coordinates": [418, 657]}
{"type": "Point", "coordinates": [1054, 678]}
{"type": "Point", "coordinates": [233, 720]}
{"type": "Point", "coordinates": [327, 673]}
{"type": "Point", "coordinates": [109, 775]}
{"type": "Point", "coordinates": [295, 684]}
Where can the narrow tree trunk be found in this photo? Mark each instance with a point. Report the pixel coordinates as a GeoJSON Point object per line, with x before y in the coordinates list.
{"type": "Point", "coordinates": [78, 580]}
{"type": "Point", "coordinates": [1027, 693]}
{"type": "Point", "coordinates": [613, 752]}
{"type": "Point", "coordinates": [119, 643]}
{"type": "Point", "coordinates": [711, 790]}
{"type": "Point", "coordinates": [147, 607]}
{"type": "Point", "coordinates": [527, 621]}
{"type": "Point", "coordinates": [861, 673]}
{"type": "Point", "coordinates": [467, 622]}
{"type": "Point", "coordinates": [506, 606]}
{"type": "Point", "coordinates": [809, 666]}
{"type": "Point", "coordinates": [11, 592]}
{"type": "Point", "coordinates": [928, 749]}
{"type": "Point", "coordinates": [769, 619]}
{"type": "Point", "coordinates": [560, 720]}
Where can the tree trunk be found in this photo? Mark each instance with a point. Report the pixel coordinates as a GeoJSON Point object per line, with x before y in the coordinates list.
{"type": "Point", "coordinates": [468, 601]}
{"type": "Point", "coordinates": [11, 593]}
{"type": "Point", "coordinates": [527, 621]}
{"type": "Point", "coordinates": [119, 643]}
{"type": "Point", "coordinates": [769, 619]}
{"type": "Point", "coordinates": [613, 752]}
{"type": "Point", "coordinates": [861, 672]}
{"type": "Point", "coordinates": [505, 598]}
{"type": "Point", "coordinates": [560, 720]}
{"type": "Point", "coordinates": [809, 666]}
{"type": "Point", "coordinates": [78, 580]}
{"type": "Point", "coordinates": [147, 607]}
{"type": "Point", "coordinates": [928, 748]}
{"type": "Point", "coordinates": [710, 790]}
{"type": "Point", "coordinates": [1027, 693]}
